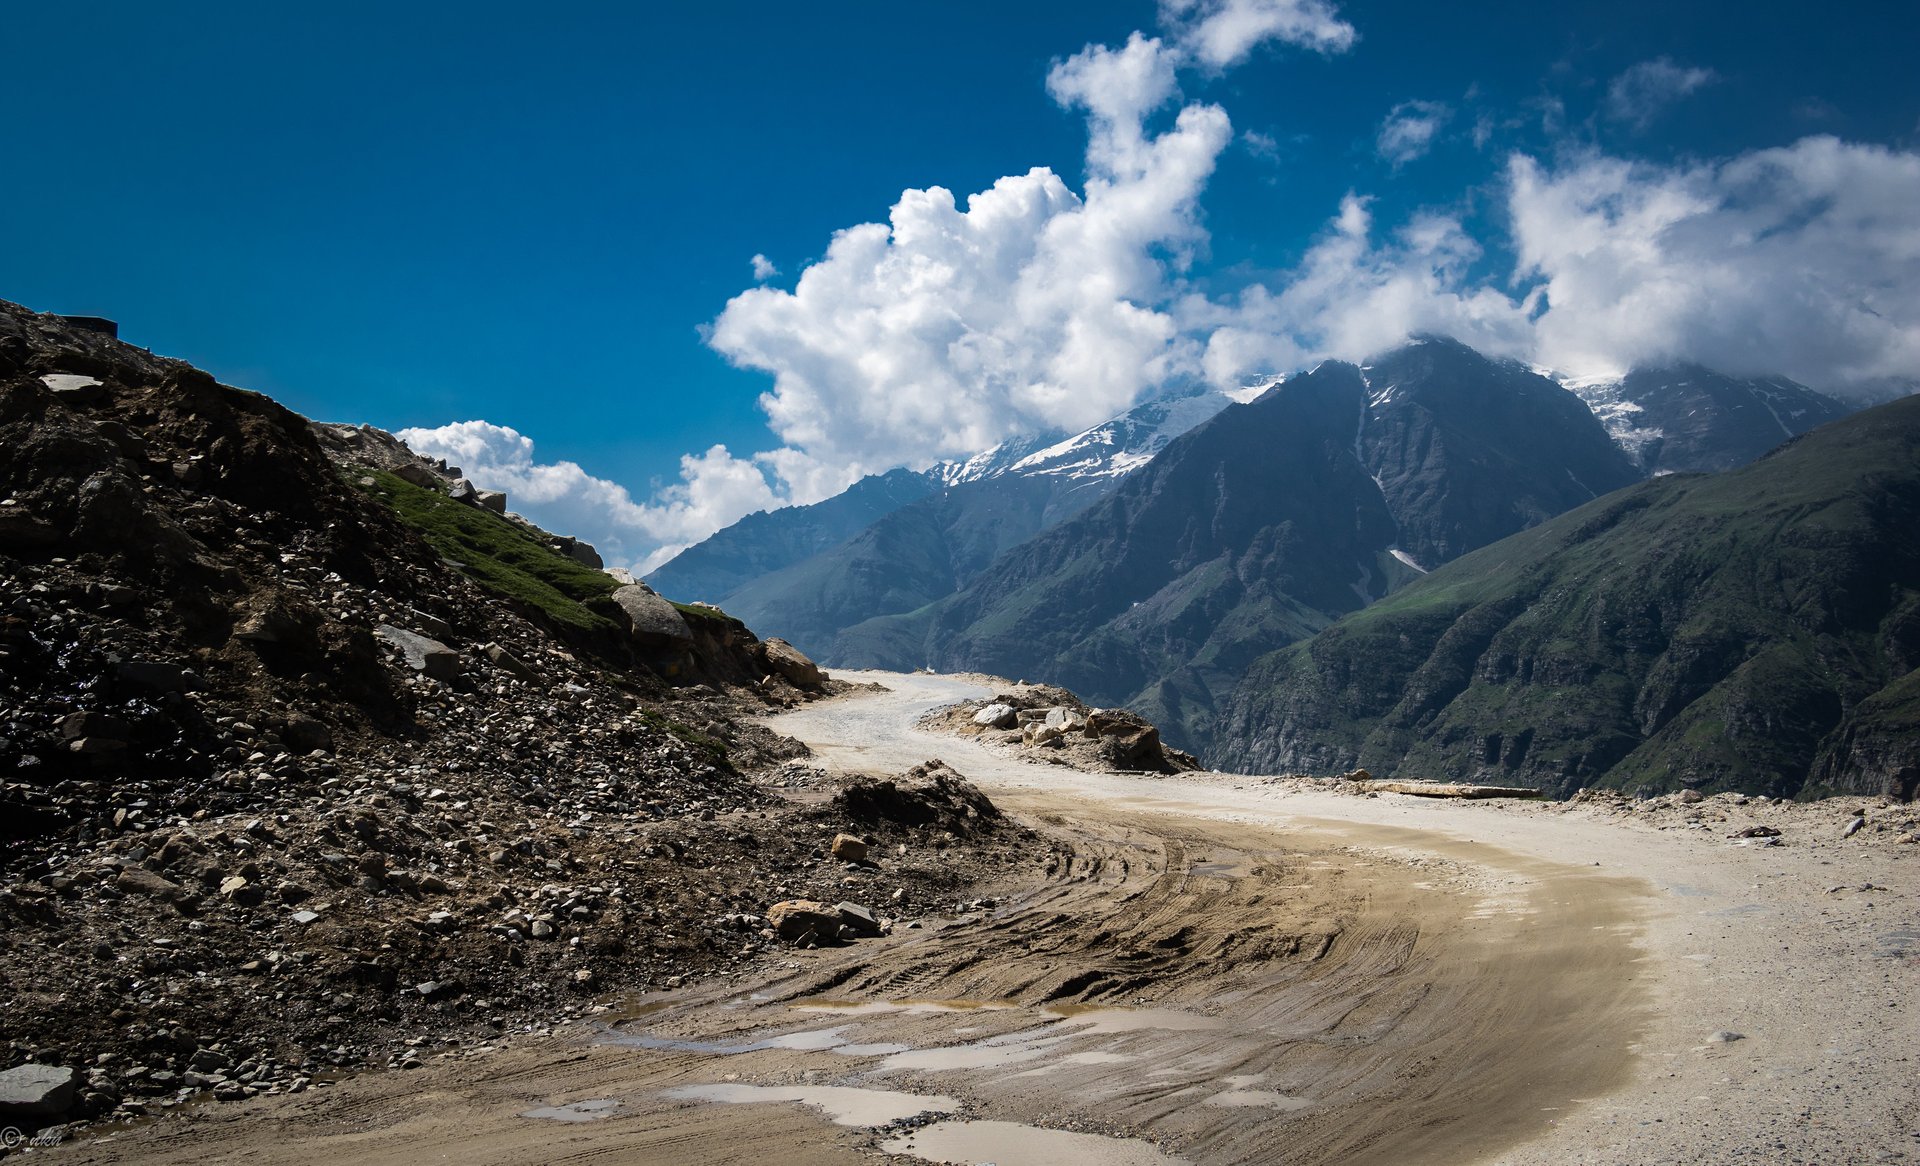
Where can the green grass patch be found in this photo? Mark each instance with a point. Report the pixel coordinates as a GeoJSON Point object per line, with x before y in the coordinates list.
{"type": "Point", "coordinates": [499, 555]}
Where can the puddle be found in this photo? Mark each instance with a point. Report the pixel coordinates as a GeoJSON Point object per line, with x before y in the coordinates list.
{"type": "Point", "coordinates": [843, 1105]}
{"type": "Point", "coordinates": [993, 1053]}
{"type": "Point", "coordinates": [1006, 1143]}
{"type": "Point", "coordinates": [1258, 1098]}
{"type": "Point", "coordinates": [594, 1110]}
{"type": "Point", "coordinates": [628, 1010]}
{"type": "Point", "coordinates": [878, 1007]}
{"type": "Point", "coordinates": [813, 1041]}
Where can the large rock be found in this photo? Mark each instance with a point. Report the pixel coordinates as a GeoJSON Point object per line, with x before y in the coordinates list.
{"type": "Point", "coordinates": [803, 919]}
{"type": "Point", "coordinates": [847, 848]}
{"type": "Point", "coordinates": [1127, 741]}
{"type": "Point", "coordinates": [34, 1091]}
{"type": "Point", "coordinates": [858, 920]}
{"type": "Point", "coordinates": [652, 620]}
{"type": "Point", "coordinates": [997, 716]}
{"type": "Point", "coordinates": [1070, 720]}
{"type": "Point", "coordinates": [792, 664]}
{"type": "Point", "coordinates": [423, 654]}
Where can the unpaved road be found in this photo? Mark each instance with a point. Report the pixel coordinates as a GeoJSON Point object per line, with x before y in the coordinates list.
{"type": "Point", "coordinates": [1224, 970]}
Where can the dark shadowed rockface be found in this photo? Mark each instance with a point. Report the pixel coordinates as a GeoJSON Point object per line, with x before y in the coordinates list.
{"type": "Point", "coordinates": [1754, 630]}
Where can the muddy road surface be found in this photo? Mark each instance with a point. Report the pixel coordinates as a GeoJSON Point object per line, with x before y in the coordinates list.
{"type": "Point", "coordinates": [1193, 970]}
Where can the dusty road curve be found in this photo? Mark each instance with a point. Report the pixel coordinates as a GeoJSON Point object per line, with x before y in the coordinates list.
{"type": "Point", "coordinates": [1211, 970]}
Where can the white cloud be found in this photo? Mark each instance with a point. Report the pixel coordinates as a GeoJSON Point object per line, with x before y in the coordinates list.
{"type": "Point", "coordinates": [715, 488]}
{"type": "Point", "coordinates": [1221, 33]}
{"type": "Point", "coordinates": [1802, 260]}
{"type": "Point", "coordinates": [1410, 129]}
{"type": "Point", "coordinates": [1638, 95]}
{"type": "Point", "coordinates": [1351, 296]}
{"type": "Point", "coordinates": [945, 330]}
{"type": "Point", "coordinates": [763, 268]}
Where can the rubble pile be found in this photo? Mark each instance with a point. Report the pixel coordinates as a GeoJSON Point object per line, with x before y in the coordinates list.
{"type": "Point", "coordinates": [1063, 729]}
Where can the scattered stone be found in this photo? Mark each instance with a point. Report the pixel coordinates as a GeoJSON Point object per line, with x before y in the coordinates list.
{"type": "Point", "coordinates": [35, 1091]}
{"type": "Point", "coordinates": [847, 848]}
{"type": "Point", "coordinates": [1724, 1037]}
{"type": "Point", "coordinates": [424, 655]}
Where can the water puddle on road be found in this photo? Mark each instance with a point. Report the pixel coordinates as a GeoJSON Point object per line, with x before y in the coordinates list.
{"type": "Point", "coordinates": [1007, 1143]}
{"type": "Point", "coordinates": [843, 1105]}
{"type": "Point", "coordinates": [595, 1110]}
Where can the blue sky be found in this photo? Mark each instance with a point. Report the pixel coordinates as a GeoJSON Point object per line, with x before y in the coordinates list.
{"type": "Point", "coordinates": [417, 215]}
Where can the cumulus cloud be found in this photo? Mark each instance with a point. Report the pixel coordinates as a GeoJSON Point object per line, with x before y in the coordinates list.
{"type": "Point", "coordinates": [763, 268]}
{"type": "Point", "coordinates": [1353, 294]}
{"type": "Point", "coordinates": [1638, 95]}
{"type": "Point", "coordinates": [1801, 259]}
{"type": "Point", "coordinates": [1410, 129]}
{"type": "Point", "coordinates": [949, 328]}
{"type": "Point", "coordinates": [714, 489]}
{"type": "Point", "coordinates": [1221, 33]}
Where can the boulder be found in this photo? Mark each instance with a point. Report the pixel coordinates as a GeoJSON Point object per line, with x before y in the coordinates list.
{"type": "Point", "coordinates": [651, 620]}
{"type": "Point", "coordinates": [506, 661]}
{"type": "Point", "coordinates": [492, 500]}
{"type": "Point", "coordinates": [802, 919]}
{"type": "Point", "coordinates": [75, 726]}
{"type": "Point", "coordinates": [464, 491]}
{"type": "Point", "coordinates": [20, 529]}
{"type": "Point", "coordinates": [793, 665]}
{"type": "Point", "coordinates": [997, 716]}
{"type": "Point", "coordinates": [584, 554]}
{"type": "Point", "coordinates": [303, 734]}
{"type": "Point", "coordinates": [423, 654]}
{"type": "Point", "coordinates": [1071, 720]}
{"type": "Point", "coordinates": [37, 1091]}
{"type": "Point", "coordinates": [857, 920]}
{"type": "Point", "coordinates": [157, 676]}
{"type": "Point", "coordinates": [418, 475]}
{"type": "Point", "coordinates": [847, 848]}
{"type": "Point", "coordinates": [141, 881]}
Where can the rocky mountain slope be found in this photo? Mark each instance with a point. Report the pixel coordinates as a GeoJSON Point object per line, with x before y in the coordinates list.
{"type": "Point", "coordinates": [1688, 418]}
{"type": "Point", "coordinates": [769, 540]}
{"type": "Point", "coordinates": [1755, 630]}
{"type": "Point", "coordinates": [927, 546]}
{"type": "Point", "coordinates": [1263, 525]}
{"type": "Point", "coordinates": [309, 764]}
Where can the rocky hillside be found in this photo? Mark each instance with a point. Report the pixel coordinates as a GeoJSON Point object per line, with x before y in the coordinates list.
{"type": "Point", "coordinates": [1262, 526]}
{"type": "Point", "coordinates": [934, 532]}
{"type": "Point", "coordinates": [312, 758]}
{"type": "Point", "coordinates": [767, 541]}
{"type": "Point", "coordinates": [1690, 419]}
{"type": "Point", "coordinates": [1756, 630]}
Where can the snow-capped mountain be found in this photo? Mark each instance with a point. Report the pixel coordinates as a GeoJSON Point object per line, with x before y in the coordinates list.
{"type": "Point", "coordinates": [1107, 450]}
{"type": "Point", "coordinates": [1687, 418]}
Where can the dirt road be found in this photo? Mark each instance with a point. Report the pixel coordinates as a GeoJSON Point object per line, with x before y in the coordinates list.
{"type": "Point", "coordinates": [1222, 970]}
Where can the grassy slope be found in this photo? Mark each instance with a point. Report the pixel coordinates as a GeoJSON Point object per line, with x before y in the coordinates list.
{"type": "Point", "coordinates": [498, 554]}
{"type": "Point", "coordinates": [1710, 631]}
